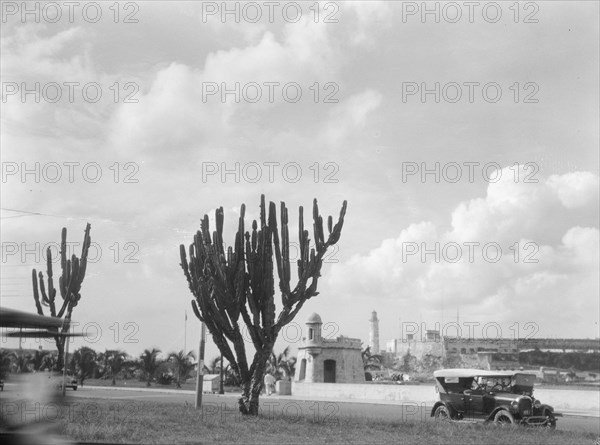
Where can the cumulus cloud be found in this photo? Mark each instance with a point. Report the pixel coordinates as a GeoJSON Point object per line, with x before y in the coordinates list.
{"type": "Point", "coordinates": [29, 54]}
{"type": "Point", "coordinates": [184, 105]}
{"type": "Point", "coordinates": [575, 189]}
{"type": "Point", "coordinates": [52, 83]}
{"type": "Point", "coordinates": [489, 262]}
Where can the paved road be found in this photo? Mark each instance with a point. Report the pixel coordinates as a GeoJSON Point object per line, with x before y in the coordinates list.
{"type": "Point", "coordinates": [224, 406]}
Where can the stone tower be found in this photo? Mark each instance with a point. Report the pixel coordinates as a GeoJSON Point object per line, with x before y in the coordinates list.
{"type": "Point", "coordinates": [313, 325]}
{"type": "Point", "coordinates": [374, 333]}
{"type": "Point", "coordinates": [328, 360]}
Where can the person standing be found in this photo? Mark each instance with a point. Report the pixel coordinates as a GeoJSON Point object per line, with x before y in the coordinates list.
{"type": "Point", "coordinates": [269, 384]}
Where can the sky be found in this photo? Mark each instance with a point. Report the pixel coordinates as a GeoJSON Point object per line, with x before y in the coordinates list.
{"type": "Point", "coordinates": [464, 138]}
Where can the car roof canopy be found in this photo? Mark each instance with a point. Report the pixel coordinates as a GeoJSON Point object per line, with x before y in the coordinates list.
{"type": "Point", "coordinates": [465, 373]}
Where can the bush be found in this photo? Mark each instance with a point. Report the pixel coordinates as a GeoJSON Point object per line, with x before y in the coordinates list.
{"type": "Point", "coordinates": [165, 379]}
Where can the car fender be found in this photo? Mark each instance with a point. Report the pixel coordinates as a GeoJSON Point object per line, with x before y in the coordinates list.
{"type": "Point", "coordinates": [500, 408]}
{"type": "Point", "coordinates": [449, 406]}
{"type": "Point", "coordinates": [548, 409]}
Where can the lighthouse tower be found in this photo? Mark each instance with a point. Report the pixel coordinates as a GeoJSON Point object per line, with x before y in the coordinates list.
{"type": "Point", "coordinates": [374, 333]}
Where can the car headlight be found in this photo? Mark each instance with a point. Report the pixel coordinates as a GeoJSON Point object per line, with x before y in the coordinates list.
{"type": "Point", "coordinates": [514, 403]}
{"type": "Point", "coordinates": [537, 403]}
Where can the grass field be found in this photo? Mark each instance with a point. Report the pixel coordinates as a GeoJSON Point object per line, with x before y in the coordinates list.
{"type": "Point", "coordinates": [151, 422]}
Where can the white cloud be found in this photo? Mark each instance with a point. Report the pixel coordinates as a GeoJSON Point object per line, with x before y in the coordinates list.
{"type": "Point", "coordinates": [531, 282]}
{"type": "Point", "coordinates": [178, 109]}
{"type": "Point", "coordinates": [575, 189]}
{"type": "Point", "coordinates": [28, 54]}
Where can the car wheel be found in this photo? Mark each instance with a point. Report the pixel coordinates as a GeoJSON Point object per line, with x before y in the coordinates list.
{"type": "Point", "coordinates": [551, 420]}
{"type": "Point", "coordinates": [503, 417]}
{"type": "Point", "coordinates": [442, 413]}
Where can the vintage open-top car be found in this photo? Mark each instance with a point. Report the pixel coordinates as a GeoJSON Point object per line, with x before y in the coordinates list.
{"type": "Point", "coordinates": [503, 397]}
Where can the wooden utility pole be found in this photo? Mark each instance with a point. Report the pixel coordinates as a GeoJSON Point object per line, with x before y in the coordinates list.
{"type": "Point", "coordinates": [64, 382]}
{"type": "Point", "coordinates": [199, 374]}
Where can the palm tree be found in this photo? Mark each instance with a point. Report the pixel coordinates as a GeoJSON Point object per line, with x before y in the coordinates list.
{"type": "Point", "coordinates": [84, 362]}
{"type": "Point", "coordinates": [111, 362]}
{"type": "Point", "coordinates": [50, 361]}
{"type": "Point", "coordinates": [149, 363]}
{"type": "Point", "coordinates": [38, 359]}
{"type": "Point", "coordinates": [129, 369]}
{"type": "Point", "coordinates": [22, 360]}
{"type": "Point", "coordinates": [281, 366]}
{"type": "Point", "coordinates": [6, 359]}
{"type": "Point", "coordinates": [214, 366]}
{"type": "Point", "coordinates": [103, 365]}
{"type": "Point", "coordinates": [116, 362]}
{"type": "Point", "coordinates": [183, 364]}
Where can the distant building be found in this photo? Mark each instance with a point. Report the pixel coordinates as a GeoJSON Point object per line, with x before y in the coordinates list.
{"type": "Point", "coordinates": [322, 360]}
{"type": "Point", "coordinates": [457, 345]}
{"type": "Point", "coordinates": [431, 344]}
{"type": "Point", "coordinates": [484, 353]}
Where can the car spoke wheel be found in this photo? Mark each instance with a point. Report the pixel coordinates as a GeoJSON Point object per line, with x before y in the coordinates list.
{"type": "Point", "coordinates": [442, 413]}
{"type": "Point", "coordinates": [503, 418]}
{"type": "Point", "coordinates": [551, 420]}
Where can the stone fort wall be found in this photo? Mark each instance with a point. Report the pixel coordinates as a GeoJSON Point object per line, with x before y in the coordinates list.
{"type": "Point", "coordinates": [348, 365]}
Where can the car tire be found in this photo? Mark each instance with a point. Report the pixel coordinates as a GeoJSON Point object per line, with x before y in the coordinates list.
{"type": "Point", "coordinates": [442, 414]}
{"type": "Point", "coordinates": [503, 417]}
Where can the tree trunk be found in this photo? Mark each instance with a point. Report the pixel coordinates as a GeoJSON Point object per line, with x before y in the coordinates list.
{"type": "Point", "coordinates": [252, 388]}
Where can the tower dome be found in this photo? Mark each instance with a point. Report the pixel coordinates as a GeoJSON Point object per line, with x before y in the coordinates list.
{"type": "Point", "coordinates": [314, 318]}
{"type": "Point", "coordinates": [313, 324]}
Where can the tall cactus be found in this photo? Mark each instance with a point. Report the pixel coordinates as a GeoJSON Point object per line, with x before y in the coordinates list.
{"type": "Point", "coordinates": [69, 284]}
{"type": "Point", "coordinates": [240, 282]}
